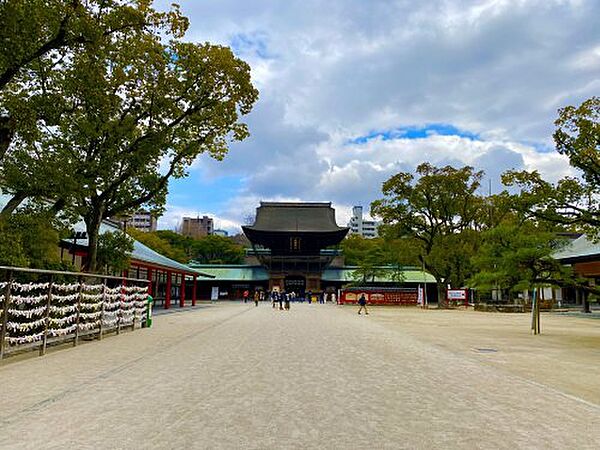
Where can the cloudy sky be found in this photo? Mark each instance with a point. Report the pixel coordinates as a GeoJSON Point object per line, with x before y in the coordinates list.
{"type": "Point", "coordinates": [353, 91]}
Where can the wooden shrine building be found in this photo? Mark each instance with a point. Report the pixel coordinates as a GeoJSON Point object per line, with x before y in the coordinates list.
{"type": "Point", "coordinates": [295, 243]}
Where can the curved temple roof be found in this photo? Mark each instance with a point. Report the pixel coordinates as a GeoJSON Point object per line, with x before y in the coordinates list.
{"type": "Point", "coordinates": [295, 217]}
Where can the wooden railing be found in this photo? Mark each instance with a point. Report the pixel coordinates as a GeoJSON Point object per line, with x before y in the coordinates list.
{"type": "Point", "coordinates": [39, 308]}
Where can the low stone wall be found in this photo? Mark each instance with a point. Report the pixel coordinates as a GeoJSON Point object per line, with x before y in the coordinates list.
{"type": "Point", "coordinates": [546, 305]}
{"type": "Point", "coordinates": [491, 307]}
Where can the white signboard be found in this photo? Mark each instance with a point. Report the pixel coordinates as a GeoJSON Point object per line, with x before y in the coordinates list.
{"type": "Point", "coordinates": [457, 294]}
{"type": "Point", "coordinates": [214, 293]}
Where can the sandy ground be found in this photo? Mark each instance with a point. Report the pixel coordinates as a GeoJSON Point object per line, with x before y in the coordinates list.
{"type": "Point", "coordinates": [319, 376]}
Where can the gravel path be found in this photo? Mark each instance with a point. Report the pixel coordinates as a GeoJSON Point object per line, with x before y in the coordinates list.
{"type": "Point", "coordinates": [319, 376]}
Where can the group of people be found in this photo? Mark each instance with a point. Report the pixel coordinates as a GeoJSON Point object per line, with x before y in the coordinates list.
{"type": "Point", "coordinates": [284, 298]}
{"type": "Point", "coordinates": [258, 296]}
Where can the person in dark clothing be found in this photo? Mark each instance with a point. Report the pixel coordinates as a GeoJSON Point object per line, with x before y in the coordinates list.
{"type": "Point", "coordinates": [286, 301]}
{"type": "Point", "coordinates": [282, 295]}
{"type": "Point", "coordinates": [273, 298]}
{"type": "Point", "coordinates": [362, 301]}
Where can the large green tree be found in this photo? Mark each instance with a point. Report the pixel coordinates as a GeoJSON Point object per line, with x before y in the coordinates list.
{"type": "Point", "coordinates": [30, 238]}
{"type": "Point", "coordinates": [516, 256]}
{"type": "Point", "coordinates": [217, 250]}
{"type": "Point", "coordinates": [38, 39]}
{"type": "Point", "coordinates": [140, 111]}
{"type": "Point", "coordinates": [114, 251]}
{"type": "Point", "coordinates": [440, 209]}
{"type": "Point", "coordinates": [156, 242]}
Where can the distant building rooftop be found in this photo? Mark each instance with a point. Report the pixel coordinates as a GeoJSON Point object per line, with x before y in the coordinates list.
{"type": "Point", "coordinates": [581, 249]}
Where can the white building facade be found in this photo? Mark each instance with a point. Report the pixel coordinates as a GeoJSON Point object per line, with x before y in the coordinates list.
{"type": "Point", "coordinates": [365, 228]}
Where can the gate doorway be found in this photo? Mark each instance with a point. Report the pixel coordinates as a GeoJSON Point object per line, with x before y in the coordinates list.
{"type": "Point", "coordinates": [295, 284]}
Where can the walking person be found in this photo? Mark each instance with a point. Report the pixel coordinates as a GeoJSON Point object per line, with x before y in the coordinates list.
{"type": "Point", "coordinates": [286, 301]}
{"type": "Point", "coordinates": [256, 298]}
{"type": "Point", "coordinates": [246, 294]}
{"type": "Point", "coordinates": [282, 295]}
{"type": "Point", "coordinates": [273, 298]}
{"type": "Point", "coordinates": [362, 301]}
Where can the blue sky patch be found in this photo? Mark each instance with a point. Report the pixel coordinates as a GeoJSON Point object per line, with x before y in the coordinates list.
{"type": "Point", "coordinates": [254, 43]}
{"type": "Point", "coordinates": [203, 194]}
{"type": "Point", "coordinates": [414, 132]}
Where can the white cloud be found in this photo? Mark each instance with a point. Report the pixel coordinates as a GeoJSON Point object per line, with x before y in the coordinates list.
{"type": "Point", "coordinates": [329, 71]}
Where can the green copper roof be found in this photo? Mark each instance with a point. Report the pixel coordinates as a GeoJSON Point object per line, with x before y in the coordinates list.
{"type": "Point", "coordinates": [579, 248]}
{"type": "Point", "coordinates": [233, 272]}
{"type": "Point", "coordinates": [409, 275]}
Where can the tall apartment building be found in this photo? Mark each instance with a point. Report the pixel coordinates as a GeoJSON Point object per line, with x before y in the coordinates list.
{"type": "Point", "coordinates": [141, 220]}
{"type": "Point", "coordinates": [197, 227]}
{"type": "Point", "coordinates": [357, 224]}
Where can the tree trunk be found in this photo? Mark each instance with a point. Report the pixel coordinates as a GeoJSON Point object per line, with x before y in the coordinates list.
{"type": "Point", "coordinates": [585, 303]}
{"type": "Point", "coordinates": [12, 204]}
{"type": "Point", "coordinates": [92, 225]}
{"type": "Point", "coordinates": [7, 132]}
{"type": "Point", "coordinates": [441, 292]}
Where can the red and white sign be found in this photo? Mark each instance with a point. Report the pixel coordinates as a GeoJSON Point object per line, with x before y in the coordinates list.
{"type": "Point", "coordinates": [401, 296]}
{"type": "Point", "coordinates": [458, 296]}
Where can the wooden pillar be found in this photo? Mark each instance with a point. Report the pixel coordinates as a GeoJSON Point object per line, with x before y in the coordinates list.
{"type": "Point", "coordinates": [168, 291]}
{"type": "Point", "coordinates": [79, 294]}
{"type": "Point", "coordinates": [182, 292]}
{"type": "Point", "coordinates": [149, 270]}
{"type": "Point", "coordinates": [47, 316]}
{"type": "Point", "coordinates": [194, 287]}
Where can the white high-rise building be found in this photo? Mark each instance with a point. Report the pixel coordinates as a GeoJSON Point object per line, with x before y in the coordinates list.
{"type": "Point", "coordinates": [366, 228]}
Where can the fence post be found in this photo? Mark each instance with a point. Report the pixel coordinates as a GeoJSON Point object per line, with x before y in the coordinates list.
{"type": "Point", "coordinates": [120, 314]}
{"type": "Point", "coordinates": [102, 310]}
{"type": "Point", "coordinates": [47, 323]}
{"type": "Point", "coordinates": [79, 291]}
{"type": "Point", "coordinates": [5, 312]}
{"type": "Point", "coordinates": [133, 316]}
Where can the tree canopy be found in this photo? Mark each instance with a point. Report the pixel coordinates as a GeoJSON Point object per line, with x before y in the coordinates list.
{"type": "Point", "coordinates": [129, 113]}
{"type": "Point", "coordinates": [439, 209]}
{"type": "Point", "coordinates": [205, 250]}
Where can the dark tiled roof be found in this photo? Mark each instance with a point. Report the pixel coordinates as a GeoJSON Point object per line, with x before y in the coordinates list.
{"type": "Point", "coordinates": [295, 217]}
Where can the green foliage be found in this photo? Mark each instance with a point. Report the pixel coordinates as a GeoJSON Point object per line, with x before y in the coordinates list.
{"type": "Point", "coordinates": [114, 250]}
{"type": "Point", "coordinates": [206, 250]}
{"type": "Point", "coordinates": [375, 257]}
{"type": "Point", "coordinates": [29, 238]}
{"type": "Point", "coordinates": [122, 113]}
{"type": "Point", "coordinates": [11, 248]}
{"type": "Point", "coordinates": [38, 42]}
{"type": "Point", "coordinates": [515, 257]}
{"type": "Point", "coordinates": [441, 211]}
{"type": "Point", "coordinates": [159, 244]}
{"type": "Point", "coordinates": [217, 250]}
